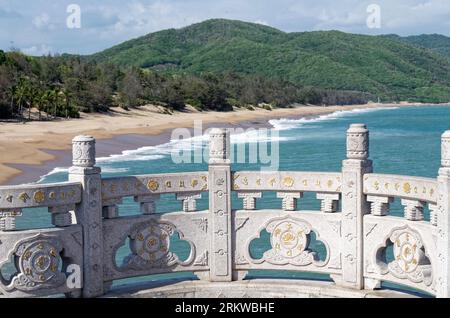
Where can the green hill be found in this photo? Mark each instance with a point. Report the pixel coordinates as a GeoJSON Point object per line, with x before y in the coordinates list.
{"type": "Point", "coordinates": [435, 42]}
{"type": "Point", "coordinates": [384, 66]}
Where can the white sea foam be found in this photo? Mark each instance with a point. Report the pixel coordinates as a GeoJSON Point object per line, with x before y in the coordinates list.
{"type": "Point", "coordinates": [287, 123]}
{"type": "Point", "coordinates": [161, 151]}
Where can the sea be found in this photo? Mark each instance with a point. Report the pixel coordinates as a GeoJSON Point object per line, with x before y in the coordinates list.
{"type": "Point", "coordinates": [403, 140]}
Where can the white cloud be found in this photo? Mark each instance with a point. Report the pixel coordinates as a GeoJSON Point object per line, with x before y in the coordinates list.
{"type": "Point", "coordinates": [262, 22]}
{"type": "Point", "coordinates": [38, 50]}
{"type": "Point", "coordinates": [105, 23]}
{"type": "Point", "coordinates": [41, 20]}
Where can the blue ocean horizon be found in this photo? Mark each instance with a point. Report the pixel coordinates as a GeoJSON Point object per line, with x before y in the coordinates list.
{"type": "Point", "coordinates": [404, 140]}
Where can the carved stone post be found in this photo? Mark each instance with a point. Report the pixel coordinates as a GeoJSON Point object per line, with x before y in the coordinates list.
{"type": "Point", "coordinates": [443, 220]}
{"type": "Point", "coordinates": [89, 213]}
{"type": "Point", "coordinates": [354, 205]}
{"type": "Point", "coordinates": [220, 205]}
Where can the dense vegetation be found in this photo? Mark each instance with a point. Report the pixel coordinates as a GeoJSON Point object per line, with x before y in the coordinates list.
{"type": "Point", "coordinates": [390, 69]}
{"type": "Point", "coordinates": [62, 87]}
{"type": "Point", "coordinates": [221, 64]}
{"type": "Point", "coordinates": [435, 42]}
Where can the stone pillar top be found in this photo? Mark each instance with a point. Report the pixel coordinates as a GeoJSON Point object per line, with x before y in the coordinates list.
{"type": "Point", "coordinates": [445, 149]}
{"type": "Point", "coordinates": [358, 142]}
{"type": "Point", "coordinates": [219, 146]}
{"type": "Point", "coordinates": [83, 151]}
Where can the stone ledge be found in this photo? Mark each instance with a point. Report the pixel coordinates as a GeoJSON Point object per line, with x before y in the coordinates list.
{"type": "Point", "coordinates": [258, 288]}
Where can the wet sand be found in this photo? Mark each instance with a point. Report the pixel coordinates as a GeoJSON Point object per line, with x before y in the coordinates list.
{"type": "Point", "coordinates": [29, 151]}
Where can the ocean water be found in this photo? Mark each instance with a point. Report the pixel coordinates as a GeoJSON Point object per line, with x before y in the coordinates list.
{"type": "Point", "coordinates": [402, 141]}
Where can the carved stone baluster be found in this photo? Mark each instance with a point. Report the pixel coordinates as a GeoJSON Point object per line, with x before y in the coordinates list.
{"type": "Point", "coordinates": [61, 215]}
{"type": "Point", "coordinates": [189, 201]}
{"type": "Point", "coordinates": [379, 205]}
{"type": "Point", "coordinates": [110, 208]}
{"type": "Point", "coordinates": [413, 209]}
{"type": "Point", "coordinates": [219, 186]}
{"type": "Point", "coordinates": [148, 203]}
{"type": "Point", "coordinates": [433, 214]}
{"type": "Point", "coordinates": [443, 220]}
{"type": "Point", "coordinates": [8, 219]}
{"type": "Point", "coordinates": [354, 205]}
{"type": "Point", "coordinates": [249, 199]}
{"type": "Point", "coordinates": [89, 213]}
{"type": "Point", "coordinates": [289, 202]}
{"type": "Point", "coordinates": [329, 202]}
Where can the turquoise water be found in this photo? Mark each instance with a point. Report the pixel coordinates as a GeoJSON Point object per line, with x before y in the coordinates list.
{"type": "Point", "coordinates": [402, 141]}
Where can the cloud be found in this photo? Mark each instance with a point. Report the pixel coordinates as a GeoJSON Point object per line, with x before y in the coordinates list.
{"type": "Point", "coordinates": [106, 23]}
{"type": "Point", "coordinates": [38, 50]}
{"type": "Point", "coordinates": [41, 20]}
{"type": "Point", "coordinates": [261, 22]}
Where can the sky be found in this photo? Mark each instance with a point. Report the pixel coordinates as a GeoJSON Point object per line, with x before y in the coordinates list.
{"type": "Point", "coordinates": [39, 27]}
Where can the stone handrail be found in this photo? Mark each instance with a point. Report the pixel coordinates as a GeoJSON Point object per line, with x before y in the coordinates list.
{"type": "Point", "coordinates": [78, 256]}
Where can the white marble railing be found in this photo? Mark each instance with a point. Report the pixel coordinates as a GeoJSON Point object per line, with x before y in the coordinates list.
{"type": "Point", "coordinates": [363, 244]}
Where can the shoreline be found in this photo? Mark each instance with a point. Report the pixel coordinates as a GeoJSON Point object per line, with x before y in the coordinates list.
{"type": "Point", "coordinates": [30, 151]}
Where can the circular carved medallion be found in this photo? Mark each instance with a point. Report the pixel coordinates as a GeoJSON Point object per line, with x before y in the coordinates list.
{"type": "Point", "coordinates": [39, 262]}
{"type": "Point", "coordinates": [407, 252]}
{"type": "Point", "coordinates": [288, 239]}
{"type": "Point", "coordinates": [152, 243]}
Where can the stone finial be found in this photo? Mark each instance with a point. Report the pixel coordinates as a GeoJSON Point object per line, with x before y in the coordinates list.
{"type": "Point", "coordinates": [83, 151]}
{"type": "Point", "coordinates": [358, 142]}
{"type": "Point", "coordinates": [445, 149]}
{"type": "Point", "coordinates": [219, 146]}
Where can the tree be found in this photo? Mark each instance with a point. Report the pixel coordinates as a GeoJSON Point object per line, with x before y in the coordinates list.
{"type": "Point", "coordinates": [131, 89]}
{"type": "Point", "coordinates": [2, 57]}
{"type": "Point", "coordinates": [21, 94]}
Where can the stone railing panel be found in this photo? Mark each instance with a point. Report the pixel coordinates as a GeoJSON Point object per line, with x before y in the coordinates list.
{"type": "Point", "coordinates": [289, 240]}
{"type": "Point", "coordinates": [48, 262]}
{"type": "Point", "coordinates": [413, 246]}
{"type": "Point", "coordinates": [34, 196]}
{"type": "Point", "coordinates": [287, 181]}
{"type": "Point", "coordinates": [150, 244]}
{"type": "Point", "coordinates": [356, 244]}
{"type": "Point", "coordinates": [405, 187]}
{"type": "Point", "coordinates": [154, 184]}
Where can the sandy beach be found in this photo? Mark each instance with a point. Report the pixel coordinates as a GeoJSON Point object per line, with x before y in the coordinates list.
{"type": "Point", "coordinates": [30, 150]}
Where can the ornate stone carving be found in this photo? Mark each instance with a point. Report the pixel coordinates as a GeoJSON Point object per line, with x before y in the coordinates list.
{"type": "Point", "coordinates": [150, 244]}
{"type": "Point", "coordinates": [358, 142]}
{"type": "Point", "coordinates": [38, 263]}
{"type": "Point", "coordinates": [189, 201]}
{"type": "Point", "coordinates": [240, 222]}
{"type": "Point", "coordinates": [289, 239]}
{"type": "Point", "coordinates": [289, 202]}
{"type": "Point", "coordinates": [413, 210]}
{"type": "Point", "coordinates": [249, 199]}
{"type": "Point", "coordinates": [202, 260]}
{"type": "Point", "coordinates": [445, 149]}
{"type": "Point", "coordinates": [329, 202]}
{"type": "Point", "coordinates": [410, 260]}
{"type": "Point", "coordinates": [379, 205]}
{"type": "Point", "coordinates": [83, 151]}
{"type": "Point", "coordinates": [202, 224]}
{"type": "Point", "coordinates": [219, 146]}
{"type": "Point", "coordinates": [434, 210]}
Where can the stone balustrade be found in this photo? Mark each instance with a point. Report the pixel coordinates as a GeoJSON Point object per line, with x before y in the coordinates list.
{"type": "Point", "coordinates": [354, 225]}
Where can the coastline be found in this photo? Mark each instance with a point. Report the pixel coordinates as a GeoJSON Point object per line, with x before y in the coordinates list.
{"type": "Point", "coordinates": [29, 151]}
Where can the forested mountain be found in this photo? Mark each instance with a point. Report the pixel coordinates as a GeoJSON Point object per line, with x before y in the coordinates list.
{"type": "Point", "coordinates": [385, 67]}
{"type": "Point", "coordinates": [220, 64]}
{"type": "Point", "coordinates": [435, 42]}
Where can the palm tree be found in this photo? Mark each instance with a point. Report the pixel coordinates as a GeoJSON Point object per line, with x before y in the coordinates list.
{"type": "Point", "coordinates": [41, 100]}
{"type": "Point", "coordinates": [52, 96]}
{"type": "Point", "coordinates": [20, 94]}
{"type": "Point", "coordinates": [32, 98]}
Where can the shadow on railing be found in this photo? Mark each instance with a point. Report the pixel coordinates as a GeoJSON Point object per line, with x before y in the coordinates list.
{"type": "Point", "coordinates": [362, 244]}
